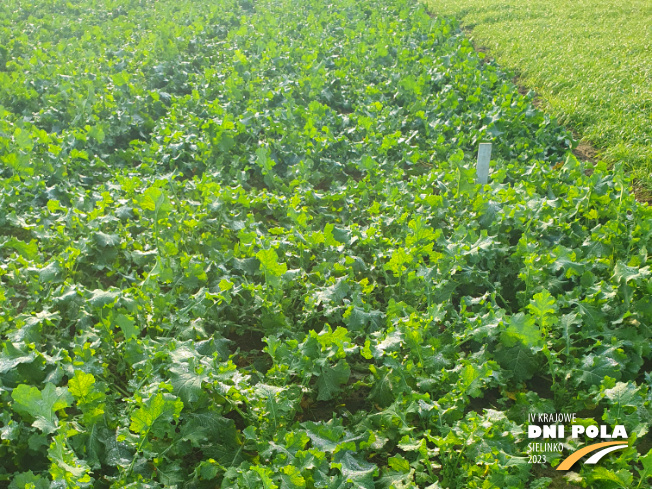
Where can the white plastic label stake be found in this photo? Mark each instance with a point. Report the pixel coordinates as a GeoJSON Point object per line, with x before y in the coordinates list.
{"type": "Point", "coordinates": [484, 156]}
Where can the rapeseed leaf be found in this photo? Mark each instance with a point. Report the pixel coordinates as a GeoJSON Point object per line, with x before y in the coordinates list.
{"type": "Point", "coordinates": [41, 404]}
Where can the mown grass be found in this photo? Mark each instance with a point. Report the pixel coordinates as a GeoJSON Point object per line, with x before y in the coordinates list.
{"type": "Point", "coordinates": [587, 60]}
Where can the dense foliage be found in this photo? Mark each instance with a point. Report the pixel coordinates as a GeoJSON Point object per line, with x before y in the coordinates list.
{"type": "Point", "coordinates": [242, 246]}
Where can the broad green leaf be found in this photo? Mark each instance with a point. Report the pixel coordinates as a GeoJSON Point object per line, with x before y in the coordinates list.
{"type": "Point", "coordinates": [128, 326]}
{"type": "Point", "coordinates": [622, 478]}
{"type": "Point", "coordinates": [341, 235]}
{"type": "Point", "coordinates": [22, 139]}
{"type": "Point", "coordinates": [154, 199]}
{"type": "Point", "coordinates": [398, 463]}
{"type": "Point", "coordinates": [13, 355]}
{"type": "Point", "coordinates": [265, 475]}
{"type": "Point", "coordinates": [623, 394]}
{"type": "Point", "coordinates": [215, 435]}
{"type": "Point", "coordinates": [543, 308]}
{"type": "Point", "coordinates": [264, 161]}
{"type": "Point", "coordinates": [27, 250]}
{"type": "Point", "coordinates": [523, 328]}
{"type": "Point", "coordinates": [225, 285]}
{"type": "Point", "coordinates": [156, 415]}
{"type": "Point", "coordinates": [269, 263]}
{"type": "Point", "coordinates": [247, 265]}
{"type": "Point", "coordinates": [473, 378]}
{"type": "Point", "coordinates": [48, 273]}
{"type": "Point", "coordinates": [41, 405]}
{"type": "Point", "coordinates": [96, 132]}
{"type": "Point", "coordinates": [66, 462]}
{"type": "Point", "coordinates": [81, 385]}
{"type": "Point", "coordinates": [334, 293]}
{"type": "Point", "coordinates": [626, 273]}
{"type": "Point", "coordinates": [357, 472]}
{"type": "Point", "coordinates": [519, 361]}
{"type": "Point", "coordinates": [106, 240]}
{"type": "Point", "coordinates": [292, 477]}
{"type": "Point", "coordinates": [186, 382]}
{"type": "Point", "coordinates": [591, 315]}
{"type": "Point", "coordinates": [28, 480]}
{"type": "Point", "coordinates": [594, 368]}
{"type": "Point", "coordinates": [356, 318]}
{"type": "Point", "coordinates": [646, 461]}
{"type": "Point", "coordinates": [171, 474]}
{"type": "Point", "coordinates": [627, 406]}
{"type": "Point", "coordinates": [325, 436]}
{"type": "Point", "coordinates": [399, 259]}
{"type": "Point", "coordinates": [208, 469]}
{"type": "Point", "coordinates": [331, 379]}
{"type": "Point", "coordinates": [101, 298]}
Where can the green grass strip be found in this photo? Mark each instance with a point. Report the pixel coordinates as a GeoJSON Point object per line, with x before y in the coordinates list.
{"type": "Point", "coordinates": [589, 62]}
